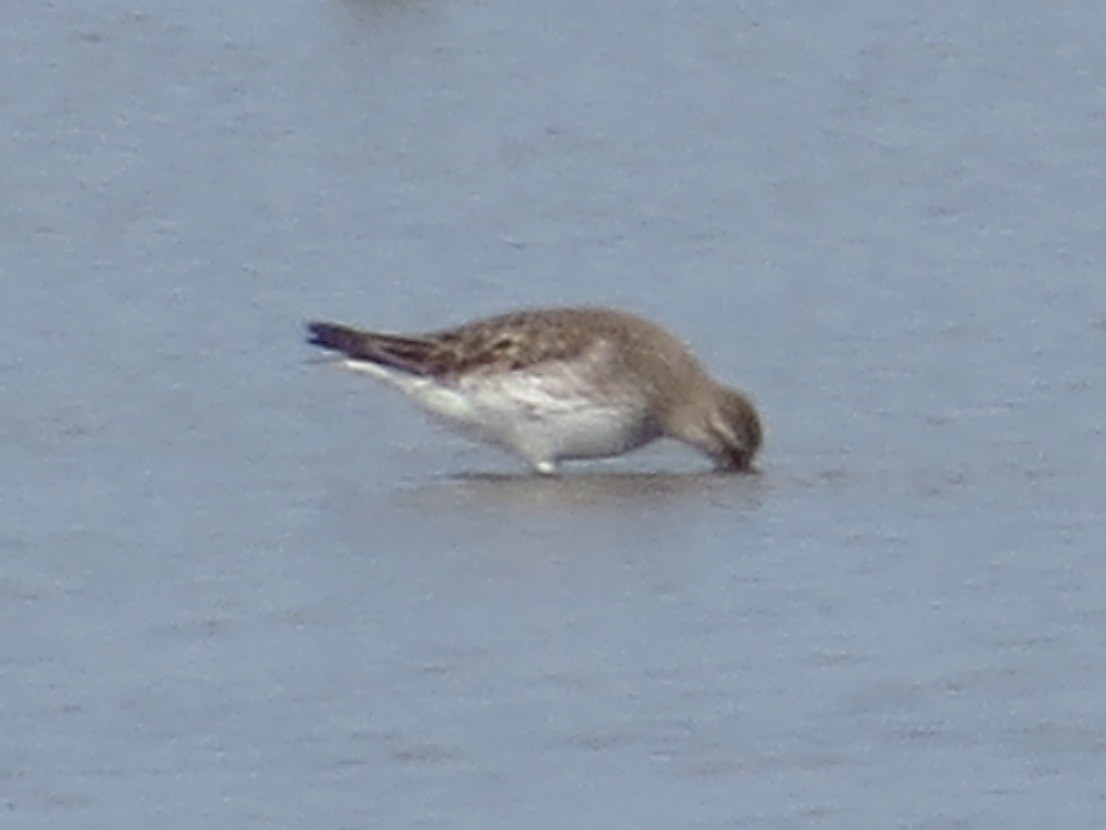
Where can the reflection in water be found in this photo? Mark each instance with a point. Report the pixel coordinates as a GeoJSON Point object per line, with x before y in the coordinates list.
{"type": "Point", "coordinates": [581, 529]}
{"type": "Point", "coordinates": [592, 491]}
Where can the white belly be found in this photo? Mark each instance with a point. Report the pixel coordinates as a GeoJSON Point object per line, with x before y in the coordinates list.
{"type": "Point", "coordinates": [542, 416]}
{"type": "Point", "coordinates": [545, 418]}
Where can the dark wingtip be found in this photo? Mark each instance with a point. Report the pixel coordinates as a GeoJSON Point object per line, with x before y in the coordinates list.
{"type": "Point", "coordinates": [405, 354]}
{"type": "Point", "coordinates": [330, 336]}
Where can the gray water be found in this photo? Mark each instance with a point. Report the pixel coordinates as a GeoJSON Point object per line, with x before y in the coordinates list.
{"type": "Point", "coordinates": [239, 589]}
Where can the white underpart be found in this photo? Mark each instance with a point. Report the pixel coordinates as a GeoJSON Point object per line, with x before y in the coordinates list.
{"type": "Point", "coordinates": [543, 415]}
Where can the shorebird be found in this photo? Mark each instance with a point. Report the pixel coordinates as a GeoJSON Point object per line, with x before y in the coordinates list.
{"type": "Point", "coordinates": [556, 384]}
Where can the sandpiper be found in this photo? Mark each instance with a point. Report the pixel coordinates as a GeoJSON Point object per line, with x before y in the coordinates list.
{"type": "Point", "coordinates": [562, 383]}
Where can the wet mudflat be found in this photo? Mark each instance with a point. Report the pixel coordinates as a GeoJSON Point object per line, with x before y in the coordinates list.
{"type": "Point", "coordinates": [240, 589]}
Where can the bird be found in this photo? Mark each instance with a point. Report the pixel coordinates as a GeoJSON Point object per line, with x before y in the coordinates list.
{"type": "Point", "coordinates": [557, 384]}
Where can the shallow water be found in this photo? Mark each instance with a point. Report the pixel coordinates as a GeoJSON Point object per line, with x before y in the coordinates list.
{"type": "Point", "coordinates": [240, 589]}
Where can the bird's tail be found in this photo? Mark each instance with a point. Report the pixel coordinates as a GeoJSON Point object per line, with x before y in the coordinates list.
{"type": "Point", "coordinates": [407, 354]}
